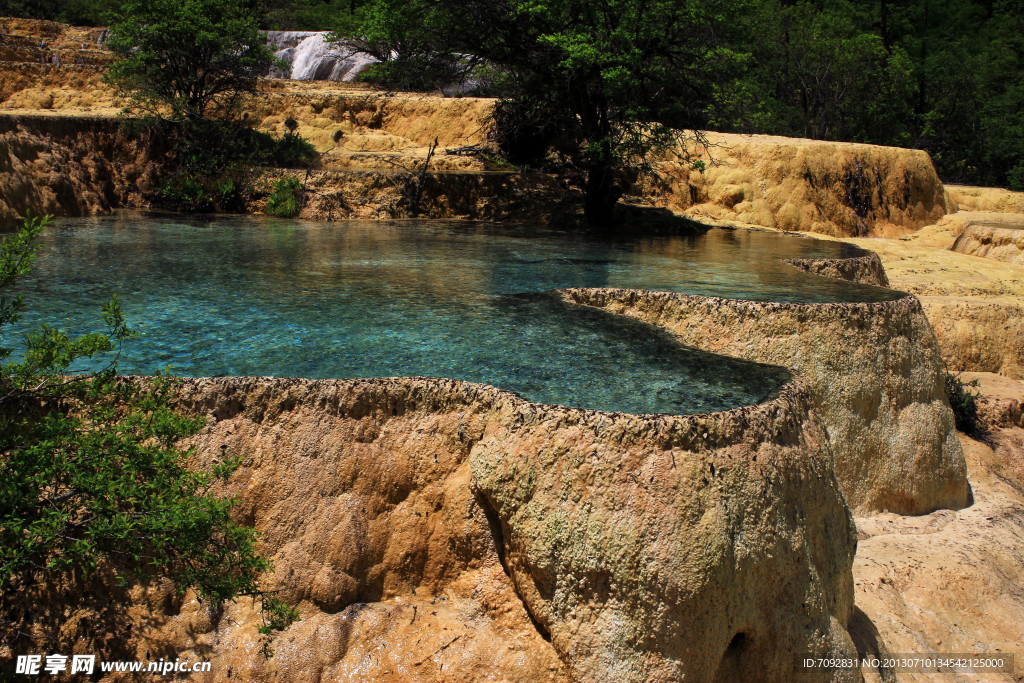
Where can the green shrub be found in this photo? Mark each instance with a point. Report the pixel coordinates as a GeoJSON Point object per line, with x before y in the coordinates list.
{"type": "Point", "coordinates": [292, 151]}
{"type": "Point", "coordinates": [284, 201]}
{"type": "Point", "coordinates": [964, 403]}
{"type": "Point", "coordinates": [214, 165]}
{"type": "Point", "coordinates": [1015, 178]}
{"type": "Point", "coordinates": [193, 192]}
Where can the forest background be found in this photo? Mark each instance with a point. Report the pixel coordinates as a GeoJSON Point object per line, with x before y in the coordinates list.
{"type": "Point", "coordinates": [945, 76]}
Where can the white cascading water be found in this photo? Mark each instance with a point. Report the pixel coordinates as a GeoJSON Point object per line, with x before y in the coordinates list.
{"type": "Point", "coordinates": [310, 57]}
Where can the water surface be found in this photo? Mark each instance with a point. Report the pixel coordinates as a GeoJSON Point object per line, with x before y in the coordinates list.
{"type": "Point", "coordinates": [470, 301]}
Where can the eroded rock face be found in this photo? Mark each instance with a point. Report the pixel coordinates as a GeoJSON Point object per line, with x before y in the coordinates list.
{"type": "Point", "coordinates": [55, 87]}
{"type": "Point", "coordinates": [334, 195]}
{"type": "Point", "coordinates": [362, 492]}
{"type": "Point", "coordinates": [601, 516]}
{"type": "Point", "coordinates": [834, 188]}
{"type": "Point", "coordinates": [1002, 241]}
{"type": "Point", "coordinates": [978, 334]}
{"type": "Point", "coordinates": [71, 167]}
{"type": "Point", "coordinates": [873, 370]}
{"type": "Point", "coordinates": [49, 42]}
{"type": "Point", "coordinates": [950, 581]}
{"type": "Point", "coordinates": [640, 545]}
{"type": "Point", "coordinates": [974, 304]}
{"type": "Point", "coordinates": [866, 269]}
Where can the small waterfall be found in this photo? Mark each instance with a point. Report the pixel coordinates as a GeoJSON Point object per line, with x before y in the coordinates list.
{"type": "Point", "coordinates": [310, 57]}
{"type": "Point", "coordinates": [98, 35]}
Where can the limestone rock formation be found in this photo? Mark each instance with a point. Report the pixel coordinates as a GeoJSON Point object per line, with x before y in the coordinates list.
{"type": "Point", "coordinates": [48, 88]}
{"type": "Point", "coordinates": [950, 581]}
{"type": "Point", "coordinates": [71, 167]}
{"type": "Point", "coordinates": [866, 269]}
{"type": "Point", "coordinates": [434, 529]}
{"type": "Point", "coordinates": [49, 42]}
{"type": "Point", "coordinates": [339, 194]}
{"type": "Point", "coordinates": [974, 304]}
{"type": "Point", "coordinates": [893, 439]}
{"type": "Point", "coordinates": [994, 236]}
{"type": "Point", "coordinates": [601, 515]}
{"type": "Point", "coordinates": [1000, 399]}
{"type": "Point", "coordinates": [979, 334]}
{"type": "Point", "coordinates": [834, 188]}
{"type": "Point", "coordinates": [970, 198]}
{"type": "Point", "coordinates": [372, 121]}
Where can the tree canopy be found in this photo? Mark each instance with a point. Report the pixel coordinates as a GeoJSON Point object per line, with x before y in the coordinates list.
{"type": "Point", "coordinates": [606, 77]}
{"type": "Point", "coordinates": [189, 57]}
{"type": "Point", "coordinates": [947, 77]}
{"type": "Point", "coordinates": [942, 76]}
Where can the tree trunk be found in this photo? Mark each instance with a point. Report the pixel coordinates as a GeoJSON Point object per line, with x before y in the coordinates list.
{"type": "Point", "coordinates": [601, 191]}
{"type": "Point", "coordinates": [884, 24]}
{"type": "Point", "coordinates": [600, 196]}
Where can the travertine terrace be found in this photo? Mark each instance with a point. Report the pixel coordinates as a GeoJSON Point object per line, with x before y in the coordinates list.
{"type": "Point", "coordinates": [555, 543]}
{"type": "Point", "coordinates": [430, 529]}
{"type": "Point", "coordinates": [841, 189]}
{"type": "Point", "coordinates": [373, 143]}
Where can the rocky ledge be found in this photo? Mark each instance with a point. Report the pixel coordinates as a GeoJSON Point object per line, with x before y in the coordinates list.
{"type": "Point", "coordinates": [873, 371]}
{"type": "Point", "coordinates": [434, 529]}
{"type": "Point", "coordinates": [994, 236]}
{"type": "Point", "coordinates": [573, 544]}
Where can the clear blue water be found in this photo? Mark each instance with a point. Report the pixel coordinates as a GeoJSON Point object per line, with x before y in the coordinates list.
{"type": "Point", "coordinates": [470, 301]}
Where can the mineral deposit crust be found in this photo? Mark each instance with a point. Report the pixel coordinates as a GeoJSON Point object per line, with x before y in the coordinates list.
{"type": "Point", "coordinates": [534, 542]}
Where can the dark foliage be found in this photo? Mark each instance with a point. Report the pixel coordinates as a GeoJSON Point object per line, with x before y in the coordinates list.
{"type": "Point", "coordinates": [602, 82]}
{"type": "Point", "coordinates": [216, 165]}
{"type": "Point", "coordinates": [964, 403]}
{"type": "Point", "coordinates": [942, 76]}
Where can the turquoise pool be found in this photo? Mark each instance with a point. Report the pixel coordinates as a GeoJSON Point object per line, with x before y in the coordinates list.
{"type": "Point", "coordinates": [470, 301]}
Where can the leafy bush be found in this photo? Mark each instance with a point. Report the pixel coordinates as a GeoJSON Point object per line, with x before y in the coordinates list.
{"type": "Point", "coordinates": [292, 150]}
{"type": "Point", "coordinates": [214, 165]}
{"type": "Point", "coordinates": [285, 201]}
{"type": "Point", "coordinates": [964, 403]}
{"type": "Point", "coordinates": [197, 193]}
{"type": "Point", "coordinates": [92, 483]}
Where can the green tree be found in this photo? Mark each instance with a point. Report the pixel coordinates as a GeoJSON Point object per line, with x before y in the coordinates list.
{"type": "Point", "coordinates": [188, 58]}
{"type": "Point", "coordinates": [91, 482]}
{"type": "Point", "coordinates": [186, 65]}
{"type": "Point", "coordinates": [972, 93]}
{"type": "Point", "coordinates": [613, 79]}
{"type": "Point", "coordinates": [76, 12]}
{"type": "Point", "coordinates": [413, 41]}
{"type": "Point", "coordinates": [942, 76]}
{"type": "Point", "coordinates": [819, 72]}
{"type": "Point", "coordinates": [306, 15]}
